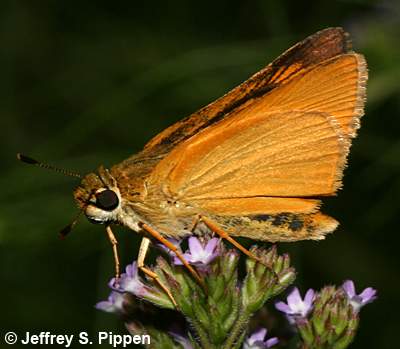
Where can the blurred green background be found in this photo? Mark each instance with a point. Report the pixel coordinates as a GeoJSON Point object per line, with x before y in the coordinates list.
{"type": "Point", "coordinates": [85, 83]}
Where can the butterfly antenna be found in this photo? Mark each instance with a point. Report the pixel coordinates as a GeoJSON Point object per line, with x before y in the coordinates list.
{"type": "Point", "coordinates": [31, 161]}
{"type": "Point", "coordinates": [66, 230]}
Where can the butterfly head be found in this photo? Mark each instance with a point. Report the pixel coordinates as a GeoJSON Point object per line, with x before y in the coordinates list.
{"type": "Point", "coordinates": [98, 197]}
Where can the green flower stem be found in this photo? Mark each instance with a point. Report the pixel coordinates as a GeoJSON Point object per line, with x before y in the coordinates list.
{"type": "Point", "coordinates": [238, 331]}
{"type": "Point", "coordinates": [202, 335]}
{"type": "Point", "coordinates": [240, 341]}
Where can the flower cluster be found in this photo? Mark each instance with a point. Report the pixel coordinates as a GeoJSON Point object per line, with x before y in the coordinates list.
{"type": "Point", "coordinates": [200, 255]}
{"type": "Point", "coordinates": [217, 312]}
{"type": "Point", "coordinates": [328, 318]}
{"type": "Point", "coordinates": [296, 309]}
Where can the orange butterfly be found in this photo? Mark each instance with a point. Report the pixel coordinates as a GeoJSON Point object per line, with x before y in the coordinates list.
{"type": "Point", "coordinates": [253, 163]}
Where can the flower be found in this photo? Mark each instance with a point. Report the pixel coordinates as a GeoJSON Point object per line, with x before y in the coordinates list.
{"type": "Point", "coordinates": [368, 295]}
{"type": "Point", "coordinates": [297, 308]}
{"type": "Point", "coordinates": [113, 304]}
{"type": "Point", "coordinates": [256, 340]}
{"type": "Point", "coordinates": [182, 340]}
{"type": "Point", "coordinates": [175, 242]}
{"type": "Point", "coordinates": [130, 282]}
{"type": "Point", "coordinates": [199, 254]}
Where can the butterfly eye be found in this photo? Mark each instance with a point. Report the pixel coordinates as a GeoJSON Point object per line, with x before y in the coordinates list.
{"type": "Point", "coordinates": [107, 200]}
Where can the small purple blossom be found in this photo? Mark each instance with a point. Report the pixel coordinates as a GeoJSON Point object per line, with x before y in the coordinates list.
{"type": "Point", "coordinates": [200, 254]}
{"type": "Point", "coordinates": [368, 295]}
{"type": "Point", "coordinates": [297, 308]}
{"type": "Point", "coordinates": [130, 281]}
{"type": "Point", "coordinates": [257, 340]}
{"type": "Point", "coordinates": [182, 340]}
{"type": "Point", "coordinates": [113, 304]}
{"type": "Point", "coordinates": [175, 242]}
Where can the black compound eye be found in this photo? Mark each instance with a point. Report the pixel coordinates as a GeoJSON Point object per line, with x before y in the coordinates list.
{"type": "Point", "coordinates": [107, 200]}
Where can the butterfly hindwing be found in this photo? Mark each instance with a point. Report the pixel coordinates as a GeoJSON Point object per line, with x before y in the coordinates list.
{"type": "Point", "coordinates": [283, 226]}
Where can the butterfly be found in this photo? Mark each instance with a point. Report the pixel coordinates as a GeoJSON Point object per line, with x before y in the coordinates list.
{"type": "Point", "coordinates": [254, 163]}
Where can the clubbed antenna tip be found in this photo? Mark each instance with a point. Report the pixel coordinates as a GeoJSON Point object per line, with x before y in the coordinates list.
{"type": "Point", "coordinates": [27, 159]}
{"type": "Point", "coordinates": [31, 161]}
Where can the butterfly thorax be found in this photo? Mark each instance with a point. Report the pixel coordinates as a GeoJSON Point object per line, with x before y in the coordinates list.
{"type": "Point", "coordinates": [155, 205]}
{"type": "Point", "coordinates": [121, 195]}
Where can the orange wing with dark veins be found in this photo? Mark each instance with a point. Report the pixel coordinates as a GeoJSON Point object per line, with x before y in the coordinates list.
{"type": "Point", "coordinates": [313, 50]}
{"type": "Point", "coordinates": [255, 159]}
{"type": "Point", "coordinates": [292, 142]}
{"type": "Point", "coordinates": [283, 154]}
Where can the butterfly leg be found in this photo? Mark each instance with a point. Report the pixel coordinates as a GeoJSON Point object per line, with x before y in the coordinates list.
{"type": "Point", "coordinates": [173, 248]}
{"type": "Point", "coordinates": [144, 247]}
{"type": "Point", "coordinates": [224, 235]}
{"type": "Point", "coordinates": [114, 243]}
{"type": "Point", "coordinates": [195, 223]}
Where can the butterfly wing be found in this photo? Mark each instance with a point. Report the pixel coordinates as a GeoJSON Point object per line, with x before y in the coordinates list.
{"type": "Point", "coordinates": [292, 142]}
{"type": "Point", "coordinates": [258, 170]}
{"type": "Point", "coordinates": [336, 86]}
{"type": "Point", "coordinates": [313, 50]}
{"type": "Point", "coordinates": [282, 154]}
{"type": "Point", "coordinates": [246, 173]}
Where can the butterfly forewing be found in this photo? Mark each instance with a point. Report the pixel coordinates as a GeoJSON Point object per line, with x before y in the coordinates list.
{"type": "Point", "coordinates": [313, 50]}
{"type": "Point", "coordinates": [336, 86]}
{"type": "Point", "coordinates": [288, 154]}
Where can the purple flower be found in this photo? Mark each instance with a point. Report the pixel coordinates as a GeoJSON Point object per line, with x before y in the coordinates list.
{"type": "Point", "coordinates": [256, 340]}
{"type": "Point", "coordinates": [199, 254]}
{"type": "Point", "coordinates": [130, 282]}
{"type": "Point", "coordinates": [358, 300]}
{"type": "Point", "coordinates": [182, 340]}
{"type": "Point", "coordinates": [297, 308]}
{"type": "Point", "coordinates": [175, 242]}
{"type": "Point", "coordinates": [113, 304]}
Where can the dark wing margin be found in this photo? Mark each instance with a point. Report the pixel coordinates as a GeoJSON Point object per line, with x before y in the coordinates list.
{"type": "Point", "coordinates": [313, 50]}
